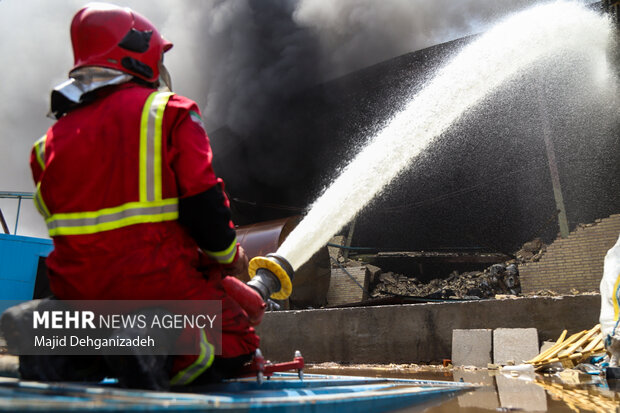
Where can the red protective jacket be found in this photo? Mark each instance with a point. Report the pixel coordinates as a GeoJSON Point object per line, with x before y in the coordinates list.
{"type": "Point", "coordinates": [110, 177]}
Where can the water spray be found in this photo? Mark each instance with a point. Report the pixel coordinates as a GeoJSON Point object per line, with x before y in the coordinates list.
{"type": "Point", "coordinates": [508, 49]}
{"type": "Point", "coordinates": [496, 57]}
{"type": "Point", "coordinates": [613, 8]}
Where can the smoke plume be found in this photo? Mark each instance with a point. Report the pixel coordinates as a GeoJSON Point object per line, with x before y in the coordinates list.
{"type": "Point", "coordinates": [255, 54]}
{"type": "Point", "coordinates": [237, 59]}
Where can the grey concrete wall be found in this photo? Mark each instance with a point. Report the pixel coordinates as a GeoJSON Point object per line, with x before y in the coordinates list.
{"type": "Point", "coordinates": [415, 332]}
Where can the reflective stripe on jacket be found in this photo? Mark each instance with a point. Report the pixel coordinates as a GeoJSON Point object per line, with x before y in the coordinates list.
{"type": "Point", "coordinates": [150, 207]}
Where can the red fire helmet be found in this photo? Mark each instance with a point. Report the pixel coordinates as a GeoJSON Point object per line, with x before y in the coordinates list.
{"type": "Point", "coordinates": [119, 38]}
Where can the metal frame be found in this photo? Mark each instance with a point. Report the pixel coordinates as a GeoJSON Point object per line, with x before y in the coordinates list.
{"type": "Point", "coordinates": [14, 195]}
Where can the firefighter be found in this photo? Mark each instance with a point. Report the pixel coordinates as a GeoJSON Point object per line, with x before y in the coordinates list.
{"type": "Point", "coordinates": [124, 180]}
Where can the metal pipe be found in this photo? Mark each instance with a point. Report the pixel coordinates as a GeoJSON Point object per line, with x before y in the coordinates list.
{"type": "Point", "coordinates": [19, 206]}
{"type": "Point", "coordinates": [14, 195]}
{"type": "Point", "coordinates": [3, 222]}
{"type": "Point", "coordinates": [349, 239]}
{"type": "Point", "coordinates": [553, 165]}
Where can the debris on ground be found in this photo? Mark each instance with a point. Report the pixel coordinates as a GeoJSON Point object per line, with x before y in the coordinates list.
{"type": "Point", "coordinates": [569, 352]}
{"type": "Point", "coordinates": [542, 293]}
{"type": "Point", "coordinates": [574, 376]}
{"type": "Point", "coordinates": [531, 251]}
{"type": "Point", "coordinates": [499, 281]}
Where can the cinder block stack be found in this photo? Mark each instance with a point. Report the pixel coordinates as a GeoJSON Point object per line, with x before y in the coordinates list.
{"type": "Point", "coordinates": [481, 347]}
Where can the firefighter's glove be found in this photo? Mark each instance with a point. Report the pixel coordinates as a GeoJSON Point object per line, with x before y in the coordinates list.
{"type": "Point", "coordinates": [239, 267]}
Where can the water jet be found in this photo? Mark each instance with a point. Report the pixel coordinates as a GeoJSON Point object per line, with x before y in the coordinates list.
{"type": "Point", "coordinates": [509, 49]}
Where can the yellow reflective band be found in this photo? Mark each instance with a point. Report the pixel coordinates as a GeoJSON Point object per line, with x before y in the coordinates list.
{"type": "Point", "coordinates": [150, 206]}
{"type": "Point", "coordinates": [151, 146]}
{"type": "Point", "coordinates": [226, 256]}
{"type": "Point", "coordinates": [79, 223]}
{"type": "Point", "coordinates": [161, 101]}
{"type": "Point", "coordinates": [144, 123]}
{"type": "Point", "coordinates": [39, 150]}
{"type": "Point", "coordinates": [616, 297]}
{"type": "Point", "coordinates": [40, 204]}
{"type": "Point", "coordinates": [204, 361]}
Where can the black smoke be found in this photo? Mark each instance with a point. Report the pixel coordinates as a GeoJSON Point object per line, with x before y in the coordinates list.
{"type": "Point", "coordinates": [242, 61]}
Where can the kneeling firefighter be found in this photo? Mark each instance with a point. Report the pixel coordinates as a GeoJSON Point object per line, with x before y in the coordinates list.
{"type": "Point", "coordinates": [125, 183]}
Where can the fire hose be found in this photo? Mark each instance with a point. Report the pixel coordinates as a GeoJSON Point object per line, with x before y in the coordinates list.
{"type": "Point", "coordinates": [271, 276]}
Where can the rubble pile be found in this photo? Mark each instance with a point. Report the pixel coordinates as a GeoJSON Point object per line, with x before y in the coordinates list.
{"type": "Point", "coordinates": [531, 251]}
{"type": "Point", "coordinates": [498, 279]}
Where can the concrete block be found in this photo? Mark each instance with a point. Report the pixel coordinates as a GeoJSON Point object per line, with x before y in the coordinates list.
{"type": "Point", "coordinates": [546, 345]}
{"type": "Point", "coordinates": [514, 344]}
{"type": "Point", "coordinates": [471, 347]}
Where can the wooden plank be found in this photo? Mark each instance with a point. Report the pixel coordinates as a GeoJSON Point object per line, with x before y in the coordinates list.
{"type": "Point", "coordinates": [563, 345]}
{"type": "Point", "coordinates": [594, 343]}
{"type": "Point", "coordinates": [580, 342]}
{"type": "Point", "coordinates": [545, 353]}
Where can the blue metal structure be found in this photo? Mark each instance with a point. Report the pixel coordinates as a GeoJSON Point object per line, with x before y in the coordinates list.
{"type": "Point", "coordinates": [19, 260]}
{"type": "Point", "coordinates": [284, 393]}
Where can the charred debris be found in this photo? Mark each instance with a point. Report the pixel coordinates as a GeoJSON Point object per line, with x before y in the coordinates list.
{"type": "Point", "coordinates": [424, 275]}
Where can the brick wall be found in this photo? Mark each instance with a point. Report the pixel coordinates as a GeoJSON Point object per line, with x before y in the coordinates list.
{"type": "Point", "coordinates": [575, 261]}
{"type": "Point", "coordinates": [342, 289]}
